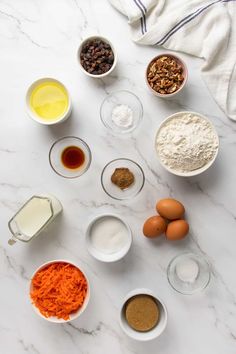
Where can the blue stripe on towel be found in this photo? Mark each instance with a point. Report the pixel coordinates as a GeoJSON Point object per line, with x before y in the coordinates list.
{"type": "Point", "coordinates": [186, 20]}
{"type": "Point", "coordinates": [143, 18]}
{"type": "Point", "coordinates": [141, 22]}
{"type": "Point", "coordinates": [144, 22]}
{"type": "Point", "coordinates": [144, 8]}
{"type": "Point", "coordinates": [180, 22]}
{"type": "Point", "coordinates": [145, 25]}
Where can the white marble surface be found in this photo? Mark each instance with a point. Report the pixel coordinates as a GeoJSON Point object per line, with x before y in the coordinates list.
{"type": "Point", "coordinates": [40, 38]}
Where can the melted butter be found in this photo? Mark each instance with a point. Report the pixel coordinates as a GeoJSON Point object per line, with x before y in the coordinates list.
{"type": "Point", "coordinates": [49, 100]}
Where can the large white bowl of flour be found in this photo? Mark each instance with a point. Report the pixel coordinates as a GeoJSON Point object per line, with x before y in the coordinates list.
{"type": "Point", "coordinates": [186, 143]}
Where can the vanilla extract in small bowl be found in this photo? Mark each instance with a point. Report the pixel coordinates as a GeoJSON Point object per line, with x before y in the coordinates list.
{"type": "Point", "coordinates": [73, 157]}
{"type": "Point", "coordinates": [70, 157]}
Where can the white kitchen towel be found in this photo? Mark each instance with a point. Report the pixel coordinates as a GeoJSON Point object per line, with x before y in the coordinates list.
{"type": "Point", "coordinates": [206, 29]}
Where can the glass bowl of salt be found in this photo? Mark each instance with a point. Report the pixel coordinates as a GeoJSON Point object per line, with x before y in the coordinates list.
{"type": "Point", "coordinates": [188, 273]}
{"type": "Point", "coordinates": [121, 112]}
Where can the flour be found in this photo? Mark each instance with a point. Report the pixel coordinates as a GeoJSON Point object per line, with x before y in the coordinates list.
{"type": "Point", "coordinates": [186, 142]}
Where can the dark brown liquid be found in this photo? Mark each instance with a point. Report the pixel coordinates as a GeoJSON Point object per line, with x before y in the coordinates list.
{"type": "Point", "coordinates": [72, 157]}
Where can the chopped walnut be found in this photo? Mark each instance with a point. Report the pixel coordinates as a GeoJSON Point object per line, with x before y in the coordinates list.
{"type": "Point", "coordinates": [165, 75]}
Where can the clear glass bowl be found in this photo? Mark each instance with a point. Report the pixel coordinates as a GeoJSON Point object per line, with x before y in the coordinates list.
{"type": "Point", "coordinates": [188, 273]}
{"type": "Point", "coordinates": [119, 98]}
{"type": "Point", "coordinates": [56, 151]}
{"type": "Point", "coordinates": [114, 191]}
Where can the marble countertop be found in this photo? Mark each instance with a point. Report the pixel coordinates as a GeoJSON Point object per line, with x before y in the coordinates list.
{"type": "Point", "coordinates": [38, 39]}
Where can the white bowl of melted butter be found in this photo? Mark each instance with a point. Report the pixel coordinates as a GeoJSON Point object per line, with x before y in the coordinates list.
{"type": "Point", "coordinates": [108, 238]}
{"type": "Point", "coordinates": [48, 101]}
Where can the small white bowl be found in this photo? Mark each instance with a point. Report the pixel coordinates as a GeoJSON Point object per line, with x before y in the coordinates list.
{"type": "Point", "coordinates": [154, 332]}
{"type": "Point", "coordinates": [194, 172]}
{"type": "Point", "coordinates": [74, 315]}
{"type": "Point", "coordinates": [37, 118]}
{"type": "Point", "coordinates": [185, 75]}
{"type": "Point", "coordinates": [97, 254]}
{"type": "Point", "coordinates": [114, 53]}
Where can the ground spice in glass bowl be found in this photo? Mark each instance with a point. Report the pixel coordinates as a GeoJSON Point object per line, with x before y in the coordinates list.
{"type": "Point", "coordinates": [97, 57]}
{"type": "Point", "coordinates": [122, 177]}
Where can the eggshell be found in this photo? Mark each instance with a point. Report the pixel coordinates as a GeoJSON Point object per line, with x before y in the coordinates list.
{"type": "Point", "coordinates": [170, 209]}
{"type": "Point", "coordinates": [176, 230]}
{"type": "Point", "coordinates": [154, 226]}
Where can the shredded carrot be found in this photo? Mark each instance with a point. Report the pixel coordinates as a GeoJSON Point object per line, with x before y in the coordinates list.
{"type": "Point", "coordinates": [59, 290]}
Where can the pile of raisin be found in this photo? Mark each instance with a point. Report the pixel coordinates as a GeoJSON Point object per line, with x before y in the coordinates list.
{"type": "Point", "coordinates": [96, 57]}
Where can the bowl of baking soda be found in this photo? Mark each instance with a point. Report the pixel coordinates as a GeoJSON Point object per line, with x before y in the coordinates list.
{"type": "Point", "coordinates": [121, 112]}
{"type": "Point", "coordinates": [186, 143]}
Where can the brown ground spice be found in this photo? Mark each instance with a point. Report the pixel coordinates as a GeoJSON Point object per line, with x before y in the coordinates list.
{"type": "Point", "coordinates": [122, 177]}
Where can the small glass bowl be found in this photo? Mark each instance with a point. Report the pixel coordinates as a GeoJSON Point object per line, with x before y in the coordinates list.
{"type": "Point", "coordinates": [188, 273]}
{"type": "Point", "coordinates": [55, 157]}
{"type": "Point", "coordinates": [119, 98]}
{"type": "Point", "coordinates": [114, 191]}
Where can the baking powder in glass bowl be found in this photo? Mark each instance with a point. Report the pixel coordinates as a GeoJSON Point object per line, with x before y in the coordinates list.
{"type": "Point", "coordinates": [122, 116]}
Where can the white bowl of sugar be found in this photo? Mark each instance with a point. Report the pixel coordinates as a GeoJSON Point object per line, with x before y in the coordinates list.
{"type": "Point", "coordinates": [108, 238]}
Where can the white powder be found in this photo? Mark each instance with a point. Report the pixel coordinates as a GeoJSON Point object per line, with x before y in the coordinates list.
{"type": "Point", "coordinates": [109, 235]}
{"type": "Point", "coordinates": [187, 270]}
{"type": "Point", "coordinates": [186, 142]}
{"type": "Point", "coordinates": [122, 116]}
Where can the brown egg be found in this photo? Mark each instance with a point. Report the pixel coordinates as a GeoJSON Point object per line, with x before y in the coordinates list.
{"type": "Point", "coordinates": [170, 209]}
{"type": "Point", "coordinates": [176, 230]}
{"type": "Point", "coordinates": [154, 226]}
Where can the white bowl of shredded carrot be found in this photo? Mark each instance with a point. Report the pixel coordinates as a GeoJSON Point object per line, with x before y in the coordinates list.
{"type": "Point", "coordinates": [59, 291]}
